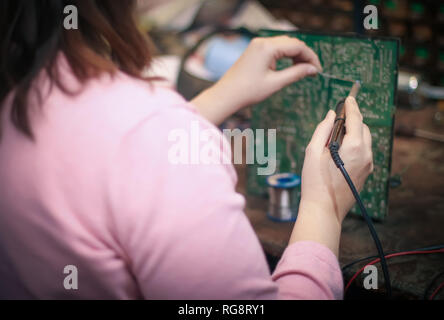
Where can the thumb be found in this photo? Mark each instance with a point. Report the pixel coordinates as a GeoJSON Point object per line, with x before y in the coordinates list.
{"type": "Point", "coordinates": [323, 132]}
{"type": "Point", "coordinates": [294, 73]}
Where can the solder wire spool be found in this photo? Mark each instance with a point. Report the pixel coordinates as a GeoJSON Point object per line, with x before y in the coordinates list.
{"type": "Point", "coordinates": [283, 190]}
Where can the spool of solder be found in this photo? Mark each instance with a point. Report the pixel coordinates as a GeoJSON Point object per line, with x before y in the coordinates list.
{"type": "Point", "coordinates": [283, 190]}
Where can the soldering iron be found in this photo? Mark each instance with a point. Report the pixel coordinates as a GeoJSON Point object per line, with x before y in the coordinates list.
{"type": "Point", "coordinates": [337, 135]}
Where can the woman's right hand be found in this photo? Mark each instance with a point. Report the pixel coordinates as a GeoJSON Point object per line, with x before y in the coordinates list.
{"type": "Point", "coordinates": [322, 182]}
{"type": "Point", "coordinates": [326, 197]}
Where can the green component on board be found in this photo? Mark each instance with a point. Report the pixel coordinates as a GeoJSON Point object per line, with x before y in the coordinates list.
{"type": "Point", "coordinates": [296, 110]}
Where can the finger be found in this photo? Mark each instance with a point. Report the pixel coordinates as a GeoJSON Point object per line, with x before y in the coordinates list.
{"type": "Point", "coordinates": [353, 119]}
{"type": "Point", "coordinates": [368, 145]}
{"type": "Point", "coordinates": [322, 133]}
{"type": "Point", "coordinates": [285, 46]}
{"type": "Point", "coordinates": [367, 136]}
{"type": "Point", "coordinates": [273, 65]}
{"type": "Point", "coordinates": [292, 74]}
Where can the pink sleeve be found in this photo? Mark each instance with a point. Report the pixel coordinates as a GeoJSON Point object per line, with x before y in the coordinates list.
{"type": "Point", "coordinates": [183, 232]}
{"type": "Point", "coordinates": [308, 270]}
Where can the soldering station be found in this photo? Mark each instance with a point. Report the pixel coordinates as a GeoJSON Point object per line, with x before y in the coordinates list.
{"type": "Point", "coordinates": [386, 55]}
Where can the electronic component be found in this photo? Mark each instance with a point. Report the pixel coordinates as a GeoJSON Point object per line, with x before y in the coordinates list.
{"type": "Point", "coordinates": [296, 110]}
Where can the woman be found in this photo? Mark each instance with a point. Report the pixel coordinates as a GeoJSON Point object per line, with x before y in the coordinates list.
{"type": "Point", "coordinates": [86, 185]}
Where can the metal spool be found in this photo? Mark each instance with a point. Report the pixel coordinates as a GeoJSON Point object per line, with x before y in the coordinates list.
{"type": "Point", "coordinates": [283, 191]}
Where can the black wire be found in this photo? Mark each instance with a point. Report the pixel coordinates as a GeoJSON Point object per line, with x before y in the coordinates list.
{"type": "Point", "coordinates": [429, 287]}
{"type": "Point", "coordinates": [372, 230]}
{"type": "Point", "coordinates": [334, 147]}
{"type": "Point", "coordinates": [359, 260]}
{"type": "Point", "coordinates": [437, 247]}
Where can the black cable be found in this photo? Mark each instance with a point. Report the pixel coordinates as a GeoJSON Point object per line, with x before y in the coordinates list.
{"type": "Point", "coordinates": [334, 151]}
{"type": "Point", "coordinates": [437, 247]}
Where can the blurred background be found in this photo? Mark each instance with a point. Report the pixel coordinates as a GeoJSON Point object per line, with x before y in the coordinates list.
{"type": "Point", "coordinates": [196, 41]}
{"type": "Point", "coordinates": [177, 26]}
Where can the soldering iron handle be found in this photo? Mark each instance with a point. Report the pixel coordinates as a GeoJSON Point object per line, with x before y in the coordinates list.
{"type": "Point", "coordinates": [339, 126]}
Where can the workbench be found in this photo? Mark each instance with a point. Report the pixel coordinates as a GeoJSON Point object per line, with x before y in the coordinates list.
{"type": "Point", "coordinates": [415, 220]}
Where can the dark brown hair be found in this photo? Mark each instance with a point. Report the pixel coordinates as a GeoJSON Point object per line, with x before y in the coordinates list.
{"type": "Point", "coordinates": [32, 34]}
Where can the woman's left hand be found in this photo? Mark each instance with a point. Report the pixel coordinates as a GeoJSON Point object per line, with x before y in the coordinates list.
{"type": "Point", "coordinates": [254, 78]}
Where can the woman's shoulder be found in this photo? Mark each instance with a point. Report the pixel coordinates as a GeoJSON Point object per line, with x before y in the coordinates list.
{"type": "Point", "coordinates": [128, 100]}
{"type": "Point", "coordinates": [109, 114]}
{"type": "Point", "coordinates": [111, 104]}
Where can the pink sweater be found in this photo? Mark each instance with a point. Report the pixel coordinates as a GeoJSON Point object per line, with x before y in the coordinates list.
{"type": "Point", "coordinates": [96, 190]}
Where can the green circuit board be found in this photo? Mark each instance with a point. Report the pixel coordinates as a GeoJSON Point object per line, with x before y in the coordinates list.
{"type": "Point", "coordinates": [296, 110]}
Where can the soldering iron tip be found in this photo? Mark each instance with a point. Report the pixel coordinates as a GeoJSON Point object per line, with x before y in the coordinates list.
{"type": "Point", "coordinates": [355, 89]}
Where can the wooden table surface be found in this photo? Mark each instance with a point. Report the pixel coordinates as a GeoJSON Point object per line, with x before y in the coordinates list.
{"type": "Point", "coordinates": [416, 214]}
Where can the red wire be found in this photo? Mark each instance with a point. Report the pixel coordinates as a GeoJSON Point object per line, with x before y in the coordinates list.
{"type": "Point", "coordinates": [406, 253]}
{"type": "Point", "coordinates": [436, 291]}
